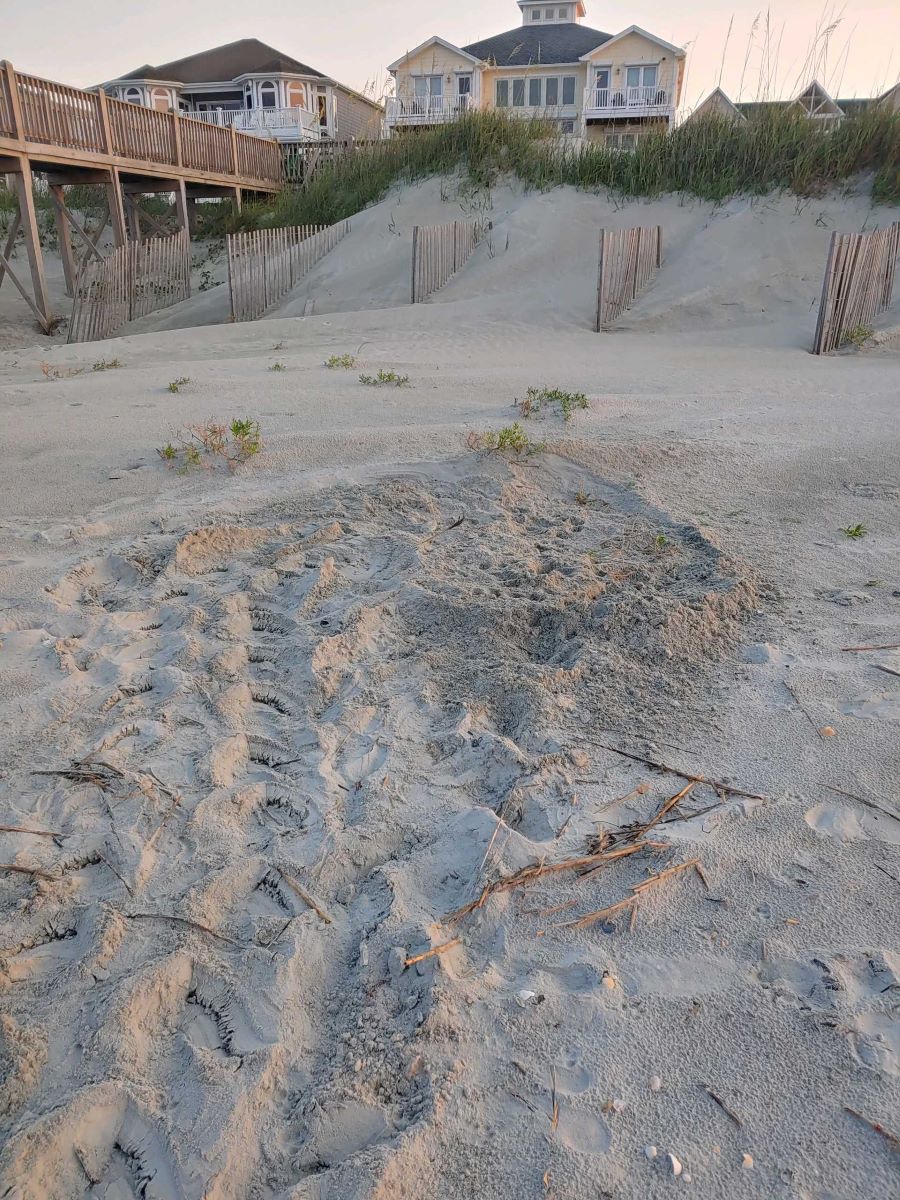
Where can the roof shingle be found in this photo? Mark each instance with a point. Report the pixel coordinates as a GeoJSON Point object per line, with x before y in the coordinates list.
{"type": "Point", "coordinates": [248, 56]}
{"type": "Point", "coordinates": [546, 44]}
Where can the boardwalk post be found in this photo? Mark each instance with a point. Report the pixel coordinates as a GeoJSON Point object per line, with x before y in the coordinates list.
{"type": "Point", "coordinates": [105, 126]}
{"type": "Point", "coordinates": [63, 234]}
{"type": "Point", "coordinates": [15, 106]}
{"type": "Point", "coordinates": [22, 184]}
{"type": "Point", "coordinates": [116, 208]}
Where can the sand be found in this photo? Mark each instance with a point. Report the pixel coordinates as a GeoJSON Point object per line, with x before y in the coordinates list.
{"type": "Point", "coordinates": [317, 705]}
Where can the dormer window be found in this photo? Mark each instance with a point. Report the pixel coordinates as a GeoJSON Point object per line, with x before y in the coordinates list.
{"type": "Point", "coordinates": [533, 14]}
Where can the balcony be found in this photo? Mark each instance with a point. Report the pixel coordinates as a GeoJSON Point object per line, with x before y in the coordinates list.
{"type": "Point", "coordinates": [424, 110]}
{"type": "Point", "coordinates": [628, 102]}
{"type": "Point", "coordinates": [282, 124]}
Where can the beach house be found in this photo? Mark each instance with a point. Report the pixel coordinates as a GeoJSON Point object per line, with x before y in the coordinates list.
{"type": "Point", "coordinates": [813, 102]}
{"type": "Point", "coordinates": [604, 87]}
{"type": "Point", "coordinates": [257, 89]}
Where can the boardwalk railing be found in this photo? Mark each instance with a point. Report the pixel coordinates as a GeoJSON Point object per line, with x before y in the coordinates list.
{"type": "Point", "coordinates": [628, 259]}
{"type": "Point", "coordinates": [52, 114]}
{"type": "Point", "coordinates": [265, 264]}
{"type": "Point", "coordinates": [859, 284]}
{"type": "Point", "coordinates": [438, 253]}
{"type": "Point", "coordinates": [136, 279]}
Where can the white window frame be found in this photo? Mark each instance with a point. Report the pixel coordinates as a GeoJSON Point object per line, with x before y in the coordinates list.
{"type": "Point", "coordinates": [642, 67]}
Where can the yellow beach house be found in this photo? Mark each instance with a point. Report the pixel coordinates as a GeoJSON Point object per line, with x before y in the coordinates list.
{"type": "Point", "coordinates": [595, 85]}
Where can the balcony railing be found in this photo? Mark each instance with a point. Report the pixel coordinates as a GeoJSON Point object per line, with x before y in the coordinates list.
{"type": "Point", "coordinates": [425, 110]}
{"type": "Point", "coordinates": [627, 101]}
{"type": "Point", "coordinates": [267, 122]}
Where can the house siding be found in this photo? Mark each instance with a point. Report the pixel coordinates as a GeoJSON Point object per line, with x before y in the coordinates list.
{"type": "Point", "coordinates": [635, 50]}
{"type": "Point", "coordinates": [432, 60]}
{"type": "Point", "coordinates": [357, 120]}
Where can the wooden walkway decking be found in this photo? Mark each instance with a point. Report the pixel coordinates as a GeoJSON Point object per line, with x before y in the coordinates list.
{"type": "Point", "coordinates": [78, 137]}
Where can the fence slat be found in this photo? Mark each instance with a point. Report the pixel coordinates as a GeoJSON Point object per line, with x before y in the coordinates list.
{"type": "Point", "coordinates": [628, 259]}
{"type": "Point", "coordinates": [265, 264]}
{"type": "Point", "coordinates": [439, 251]}
{"type": "Point", "coordinates": [137, 279]}
{"type": "Point", "coordinates": [858, 284]}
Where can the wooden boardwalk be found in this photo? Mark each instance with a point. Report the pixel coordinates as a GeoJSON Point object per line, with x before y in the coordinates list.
{"type": "Point", "coordinates": [77, 137]}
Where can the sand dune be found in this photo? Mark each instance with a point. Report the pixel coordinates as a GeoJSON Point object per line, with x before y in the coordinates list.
{"type": "Point", "coordinates": [263, 733]}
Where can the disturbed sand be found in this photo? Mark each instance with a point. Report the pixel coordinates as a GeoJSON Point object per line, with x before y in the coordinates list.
{"type": "Point", "coordinates": [295, 717]}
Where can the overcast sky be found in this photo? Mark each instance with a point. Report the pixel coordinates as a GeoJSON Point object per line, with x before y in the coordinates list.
{"type": "Point", "coordinates": [354, 40]}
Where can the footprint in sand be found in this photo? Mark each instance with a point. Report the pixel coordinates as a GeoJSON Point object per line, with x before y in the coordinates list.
{"type": "Point", "coordinates": [876, 706]}
{"type": "Point", "coordinates": [846, 824]}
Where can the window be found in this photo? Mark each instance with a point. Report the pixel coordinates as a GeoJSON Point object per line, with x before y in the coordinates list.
{"type": "Point", "coordinates": [160, 99]}
{"type": "Point", "coordinates": [503, 93]}
{"type": "Point", "coordinates": [464, 85]}
{"type": "Point", "coordinates": [549, 14]}
{"type": "Point", "coordinates": [552, 93]}
{"type": "Point", "coordinates": [295, 94]}
{"type": "Point", "coordinates": [568, 89]}
{"type": "Point", "coordinates": [534, 93]}
{"type": "Point", "coordinates": [628, 141]}
{"type": "Point", "coordinates": [134, 95]}
{"type": "Point", "coordinates": [640, 77]}
{"type": "Point", "coordinates": [267, 94]}
{"type": "Point", "coordinates": [535, 14]}
{"type": "Point", "coordinates": [567, 127]}
{"type": "Point", "coordinates": [563, 14]}
{"type": "Point", "coordinates": [518, 93]}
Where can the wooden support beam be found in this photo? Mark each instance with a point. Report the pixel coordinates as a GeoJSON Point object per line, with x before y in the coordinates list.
{"type": "Point", "coordinates": [61, 213]}
{"type": "Point", "coordinates": [10, 242]}
{"type": "Point", "coordinates": [22, 185]}
{"type": "Point", "coordinates": [116, 209]}
{"type": "Point", "coordinates": [133, 217]}
{"type": "Point", "coordinates": [181, 208]}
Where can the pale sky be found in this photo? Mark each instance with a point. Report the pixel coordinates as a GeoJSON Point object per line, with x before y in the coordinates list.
{"type": "Point", "coordinates": [354, 40]}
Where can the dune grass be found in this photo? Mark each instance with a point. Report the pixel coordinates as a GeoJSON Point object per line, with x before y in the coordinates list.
{"type": "Point", "coordinates": [711, 158]}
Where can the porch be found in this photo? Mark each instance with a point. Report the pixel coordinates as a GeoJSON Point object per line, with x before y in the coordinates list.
{"type": "Point", "coordinates": [281, 124]}
{"type": "Point", "coordinates": [628, 103]}
{"type": "Point", "coordinates": [424, 110]}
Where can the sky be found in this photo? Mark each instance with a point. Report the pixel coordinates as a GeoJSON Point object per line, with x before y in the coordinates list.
{"type": "Point", "coordinates": [768, 52]}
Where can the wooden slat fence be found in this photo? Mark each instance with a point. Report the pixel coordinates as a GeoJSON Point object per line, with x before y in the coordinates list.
{"type": "Point", "coordinates": [301, 161]}
{"type": "Point", "coordinates": [136, 279]}
{"type": "Point", "coordinates": [859, 284]}
{"type": "Point", "coordinates": [628, 259]}
{"type": "Point", "coordinates": [264, 264]}
{"type": "Point", "coordinates": [438, 253]}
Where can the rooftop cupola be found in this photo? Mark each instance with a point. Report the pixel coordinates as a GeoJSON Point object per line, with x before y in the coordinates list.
{"type": "Point", "coordinates": [560, 13]}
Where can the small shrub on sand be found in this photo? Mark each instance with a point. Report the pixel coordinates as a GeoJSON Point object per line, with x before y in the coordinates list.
{"type": "Point", "coordinates": [512, 438]}
{"type": "Point", "coordinates": [211, 442]}
{"type": "Point", "coordinates": [385, 379]}
{"type": "Point", "coordinates": [341, 362]}
{"type": "Point", "coordinates": [537, 398]}
{"type": "Point", "coordinates": [855, 531]}
{"type": "Point", "coordinates": [278, 366]}
{"type": "Point", "coordinates": [51, 372]}
{"type": "Point", "coordinates": [858, 336]}
{"type": "Point", "coordinates": [177, 384]}
{"type": "Point", "coordinates": [106, 364]}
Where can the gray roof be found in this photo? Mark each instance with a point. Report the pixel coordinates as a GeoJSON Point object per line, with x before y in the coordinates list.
{"type": "Point", "coordinates": [248, 56]}
{"type": "Point", "coordinates": [530, 44]}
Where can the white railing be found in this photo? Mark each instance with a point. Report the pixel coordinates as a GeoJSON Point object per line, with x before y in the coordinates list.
{"type": "Point", "coordinates": [268, 122]}
{"type": "Point", "coordinates": [627, 100]}
{"type": "Point", "coordinates": [421, 109]}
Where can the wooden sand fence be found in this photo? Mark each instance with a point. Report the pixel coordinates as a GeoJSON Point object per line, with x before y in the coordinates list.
{"type": "Point", "coordinates": [134, 280]}
{"type": "Point", "coordinates": [264, 264]}
{"type": "Point", "coordinates": [628, 259]}
{"type": "Point", "coordinates": [859, 284]}
{"type": "Point", "coordinates": [438, 253]}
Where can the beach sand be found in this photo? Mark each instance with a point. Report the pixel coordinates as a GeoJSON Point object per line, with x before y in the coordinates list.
{"type": "Point", "coordinates": [275, 727]}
